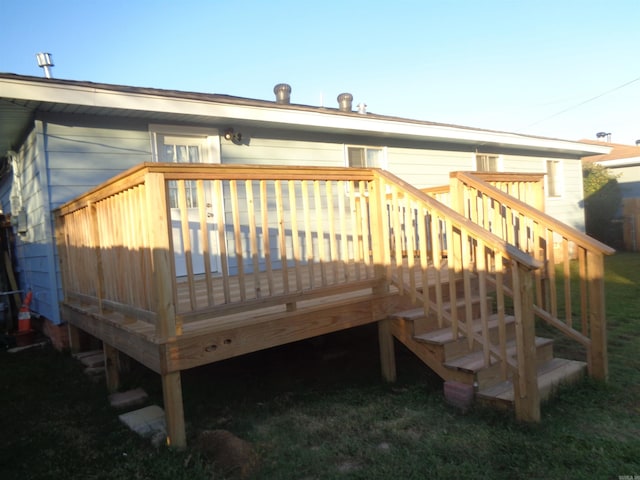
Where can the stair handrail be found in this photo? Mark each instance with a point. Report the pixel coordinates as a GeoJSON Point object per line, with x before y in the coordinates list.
{"type": "Point", "coordinates": [589, 253]}
{"type": "Point", "coordinates": [472, 243]}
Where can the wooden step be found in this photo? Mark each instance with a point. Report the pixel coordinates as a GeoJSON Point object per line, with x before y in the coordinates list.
{"type": "Point", "coordinates": [556, 372]}
{"type": "Point", "coordinates": [445, 335]}
{"type": "Point", "coordinates": [487, 376]}
{"type": "Point", "coordinates": [423, 324]}
{"type": "Point", "coordinates": [474, 362]}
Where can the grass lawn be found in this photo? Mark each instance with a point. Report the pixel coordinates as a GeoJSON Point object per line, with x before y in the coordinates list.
{"type": "Point", "coordinates": [319, 410]}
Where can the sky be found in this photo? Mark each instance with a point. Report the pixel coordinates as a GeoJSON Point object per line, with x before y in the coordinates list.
{"type": "Point", "coordinates": [555, 68]}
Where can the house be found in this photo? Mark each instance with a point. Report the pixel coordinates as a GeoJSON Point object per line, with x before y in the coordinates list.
{"type": "Point", "coordinates": [183, 228]}
{"type": "Point", "coordinates": [623, 161]}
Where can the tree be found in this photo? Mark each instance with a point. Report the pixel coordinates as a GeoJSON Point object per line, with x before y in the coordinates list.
{"type": "Point", "coordinates": [602, 199]}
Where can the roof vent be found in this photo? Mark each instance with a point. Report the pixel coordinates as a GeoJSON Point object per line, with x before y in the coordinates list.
{"type": "Point", "coordinates": [44, 61]}
{"type": "Point", "coordinates": [638, 143]}
{"type": "Point", "coordinates": [345, 102]}
{"type": "Point", "coordinates": [362, 108]}
{"type": "Point", "coordinates": [283, 93]}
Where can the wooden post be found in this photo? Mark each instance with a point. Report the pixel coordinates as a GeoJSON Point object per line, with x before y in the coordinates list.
{"type": "Point", "coordinates": [387, 351]}
{"type": "Point", "coordinates": [174, 410]}
{"type": "Point", "coordinates": [163, 282]}
{"type": "Point", "coordinates": [161, 255]}
{"type": "Point", "coordinates": [378, 245]}
{"type": "Point", "coordinates": [599, 364]}
{"type": "Point", "coordinates": [525, 381]}
{"type": "Point", "coordinates": [75, 336]}
{"type": "Point", "coordinates": [111, 367]}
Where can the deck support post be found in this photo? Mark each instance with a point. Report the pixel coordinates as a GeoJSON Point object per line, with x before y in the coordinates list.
{"type": "Point", "coordinates": [525, 380]}
{"type": "Point", "coordinates": [174, 410]}
{"type": "Point", "coordinates": [598, 363]}
{"type": "Point", "coordinates": [387, 351]}
{"type": "Point", "coordinates": [75, 335]}
{"type": "Point", "coordinates": [111, 367]}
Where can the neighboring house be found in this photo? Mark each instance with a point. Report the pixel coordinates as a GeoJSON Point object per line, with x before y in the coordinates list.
{"type": "Point", "coordinates": [61, 138]}
{"type": "Point", "coordinates": [624, 162]}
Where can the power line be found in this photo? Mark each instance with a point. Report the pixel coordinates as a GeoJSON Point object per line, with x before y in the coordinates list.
{"type": "Point", "coordinates": [582, 103]}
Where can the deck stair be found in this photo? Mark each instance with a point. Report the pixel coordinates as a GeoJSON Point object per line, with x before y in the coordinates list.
{"type": "Point", "coordinates": [453, 360]}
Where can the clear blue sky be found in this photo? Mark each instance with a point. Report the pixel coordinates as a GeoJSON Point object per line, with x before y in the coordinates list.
{"type": "Point", "coordinates": [497, 64]}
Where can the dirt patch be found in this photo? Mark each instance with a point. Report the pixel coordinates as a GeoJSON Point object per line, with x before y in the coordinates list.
{"type": "Point", "coordinates": [229, 454]}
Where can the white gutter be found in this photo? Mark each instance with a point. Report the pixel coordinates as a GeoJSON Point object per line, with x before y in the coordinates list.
{"type": "Point", "coordinates": [622, 162]}
{"type": "Point", "coordinates": [105, 98]}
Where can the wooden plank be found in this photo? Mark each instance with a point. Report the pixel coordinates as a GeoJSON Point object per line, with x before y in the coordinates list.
{"type": "Point", "coordinates": [257, 333]}
{"type": "Point", "coordinates": [205, 240]}
{"type": "Point", "coordinates": [308, 234]}
{"type": "Point", "coordinates": [282, 237]}
{"type": "Point", "coordinates": [333, 245]}
{"type": "Point", "coordinates": [295, 238]}
{"type": "Point", "coordinates": [186, 239]}
{"type": "Point", "coordinates": [237, 236]}
{"type": "Point", "coordinates": [318, 209]}
{"type": "Point", "coordinates": [266, 241]}
{"type": "Point", "coordinates": [253, 238]}
{"type": "Point", "coordinates": [342, 216]}
{"type": "Point", "coordinates": [222, 239]}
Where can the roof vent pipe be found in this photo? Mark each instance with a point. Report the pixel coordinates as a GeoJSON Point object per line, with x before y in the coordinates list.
{"type": "Point", "coordinates": [45, 62]}
{"type": "Point", "coordinates": [345, 102]}
{"type": "Point", "coordinates": [638, 143]}
{"type": "Point", "coordinates": [283, 93]}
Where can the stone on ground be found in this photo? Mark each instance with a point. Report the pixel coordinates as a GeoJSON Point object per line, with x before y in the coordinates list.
{"type": "Point", "coordinates": [146, 422]}
{"type": "Point", "coordinates": [130, 398]}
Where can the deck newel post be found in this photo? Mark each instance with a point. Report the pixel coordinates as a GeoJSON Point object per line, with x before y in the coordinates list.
{"type": "Point", "coordinates": [378, 245]}
{"type": "Point", "coordinates": [525, 381]}
{"type": "Point", "coordinates": [597, 317]}
{"type": "Point", "coordinates": [164, 295]}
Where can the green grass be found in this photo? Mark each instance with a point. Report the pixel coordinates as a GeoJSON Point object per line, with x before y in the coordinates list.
{"type": "Point", "coordinates": [320, 411]}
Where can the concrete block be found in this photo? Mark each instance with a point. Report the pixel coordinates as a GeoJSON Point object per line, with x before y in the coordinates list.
{"type": "Point", "coordinates": [459, 395]}
{"type": "Point", "coordinates": [146, 422]}
{"type": "Point", "coordinates": [130, 398]}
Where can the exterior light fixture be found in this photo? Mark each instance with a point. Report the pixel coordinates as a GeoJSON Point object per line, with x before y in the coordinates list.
{"type": "Point", "coordinates": [232, 136]}
{"type": "Point", "coordinates": [45, 62]}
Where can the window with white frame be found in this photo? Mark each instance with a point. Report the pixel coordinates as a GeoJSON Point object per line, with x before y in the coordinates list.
{"type": "Point", "coordinates": [366, 157]}
{"type": "Point", "coordinates": [487, 163]}
{"type": "Point", "coordinates": [554, 178]}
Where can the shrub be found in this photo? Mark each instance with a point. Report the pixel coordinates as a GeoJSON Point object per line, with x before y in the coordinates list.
{"type": "Point", "coordinates": [602, 199]}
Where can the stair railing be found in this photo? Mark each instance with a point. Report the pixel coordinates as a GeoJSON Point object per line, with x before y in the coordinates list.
{"type": "Point", "coordinates": [558, 247]}
{"type": "Point", "coordinates": [431, 244]}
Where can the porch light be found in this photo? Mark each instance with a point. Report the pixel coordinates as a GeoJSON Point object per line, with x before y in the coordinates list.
{"type": "Point", "coordinates": [45, 62]}
{"type": "Point", "coordinates": [230, 135]}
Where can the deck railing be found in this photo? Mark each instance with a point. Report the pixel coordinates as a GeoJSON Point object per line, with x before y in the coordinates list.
{"type": "Point", "coordinates": [178, 243]}
{"type": "Point", "coordinates": [555, 245]}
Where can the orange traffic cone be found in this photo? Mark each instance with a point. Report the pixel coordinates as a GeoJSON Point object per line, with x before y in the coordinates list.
{"type": "Point", "coordinates": [24, 315]}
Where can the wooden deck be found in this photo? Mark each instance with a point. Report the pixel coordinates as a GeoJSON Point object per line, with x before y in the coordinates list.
{"type": "Point", "coordinates": [306, 251]}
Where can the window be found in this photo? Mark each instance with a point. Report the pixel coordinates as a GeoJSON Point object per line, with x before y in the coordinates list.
{"type": "Point", "coordinates": [554, 178]}
{"type": "Point", "coordinates": [366, 157]}
{"type": "Point", "coordinates": [184, 145]}
{"type": "Point", "coordinates": [487, 163]}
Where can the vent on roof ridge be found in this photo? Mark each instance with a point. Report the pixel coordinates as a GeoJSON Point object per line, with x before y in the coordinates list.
{"type": "Point", "coordinates": [283, 93]}
{"type": "Point", "coordinates": [345, 102]}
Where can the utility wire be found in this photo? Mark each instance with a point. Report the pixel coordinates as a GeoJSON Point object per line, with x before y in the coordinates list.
{"type": "Point", "coordinates": [582, 103]}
